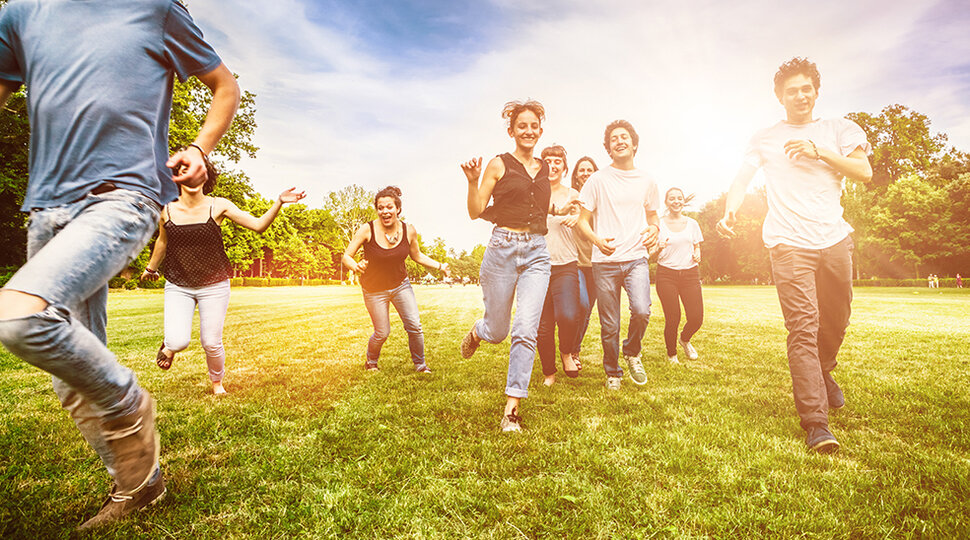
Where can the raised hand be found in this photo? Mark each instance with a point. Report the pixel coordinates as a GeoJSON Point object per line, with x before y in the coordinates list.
{"type": "Point", "coordinates": [291, 196]}
{"type": "Point", "coordinates": [725, 227]}
{"type": "Point", "coordinates": [446, 269]}
{"type": "Point", "coordinates": [472, 169]}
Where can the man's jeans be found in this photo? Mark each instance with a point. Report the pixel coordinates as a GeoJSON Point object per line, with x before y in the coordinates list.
{"type": "Point", "coordinates": [516, 266]}
{"type": "Point", "coordinates": [378, 305]}
{"type": "Point", "coordinates": [72, 252]}
{"type": "Point", "coordinates": [633, 277]}
{"type": "Point", "coordinates": [815, 290]}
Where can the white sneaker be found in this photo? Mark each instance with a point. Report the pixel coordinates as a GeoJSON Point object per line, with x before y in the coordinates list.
{"type": "Point", "coordinates": [673, 359]}
{"type": "Point", "coordinates": [689, 350]}
{"type": "Point", "coordinates": [613, 383]}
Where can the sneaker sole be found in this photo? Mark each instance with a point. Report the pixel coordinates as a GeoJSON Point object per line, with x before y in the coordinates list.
{"type": "Point", "coordinates": [827, 446]}
{"type": "Point", "coordinates": [638, 383]}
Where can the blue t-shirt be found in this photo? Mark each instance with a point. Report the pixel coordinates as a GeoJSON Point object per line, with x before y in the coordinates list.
{"type": "Point", "coordinates": [99, 77]}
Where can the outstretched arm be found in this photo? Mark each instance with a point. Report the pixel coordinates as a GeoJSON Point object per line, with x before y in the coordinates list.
{"type": "Point", "coordinates": [232, 212]}
{"type": "Point", "coordinates": [419, 257]}
{"type": "Point", "coordinates": [189, 164]}
{"type": "Point", "coordinates": [735, 197]}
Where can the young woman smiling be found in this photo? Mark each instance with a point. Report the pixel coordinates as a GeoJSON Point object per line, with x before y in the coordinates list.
{"type": "Point", "coordinates": [516, 264]}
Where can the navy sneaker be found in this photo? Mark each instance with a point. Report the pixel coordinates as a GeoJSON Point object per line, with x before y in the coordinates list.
{"type": "Point", "coordinates": [835, 395]}
{"type": "Point", "coordinates": [821, 440]}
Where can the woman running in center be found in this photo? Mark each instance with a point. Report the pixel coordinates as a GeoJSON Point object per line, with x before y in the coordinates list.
{"type": "Point", "coordinates": [516, 264]}
{"type": "Point", "coordinates": [387, 242]}
{"type": "Point", "coordinates": [678, 275]}
{"type": "Point", "coordinates": [562, 306]}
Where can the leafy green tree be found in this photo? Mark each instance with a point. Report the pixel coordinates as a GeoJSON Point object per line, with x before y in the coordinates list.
{"type": "Point", "coordinates": [911, 224]}
{"type": "Point", "coordinates": [14, 143]}
{"type": "Point", "coordinates": [743, 258]}
{"type": "Point", "coordinates": [901, 143]}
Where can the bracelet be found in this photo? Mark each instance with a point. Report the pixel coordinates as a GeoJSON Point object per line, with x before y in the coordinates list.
{"type": "Point", "coordinates": [439, 266]}
{"type": "Point", "coordinates": [199, 148]}
{"type": "Point", "coordinates": [815, 148]}
{"type": "Point", "coordinates": [150, 271]}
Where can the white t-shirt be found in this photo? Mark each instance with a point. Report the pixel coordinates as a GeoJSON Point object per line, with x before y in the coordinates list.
{"type": "Point", "coordinates": [804, 195]}
{"type": "Point", "coordinates": [679, 251]}
{"type": "Point", "coordinates": [619, 201]}
{"type": "Point", "coordinates": [561, 240]}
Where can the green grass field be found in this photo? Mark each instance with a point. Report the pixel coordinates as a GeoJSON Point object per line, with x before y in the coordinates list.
{"type": "Point", "coordinates": [307, 444]}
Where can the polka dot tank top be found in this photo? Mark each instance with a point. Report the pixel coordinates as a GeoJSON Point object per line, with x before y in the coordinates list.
{"type": "Point", "coordinates": [195, 256]}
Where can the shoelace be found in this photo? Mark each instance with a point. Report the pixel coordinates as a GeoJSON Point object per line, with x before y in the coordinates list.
{"type": "Point", "coordinates": [117, 497]}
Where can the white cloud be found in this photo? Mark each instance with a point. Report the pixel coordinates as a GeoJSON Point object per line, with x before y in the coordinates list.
{"type": "Point", "coordinates": [694, 78]}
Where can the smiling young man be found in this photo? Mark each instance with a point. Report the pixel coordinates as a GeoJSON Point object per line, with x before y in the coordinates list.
{"type": "Point", "coordinates": [805, 160]}
{"type": "Point", "coordinates": [99, 75]}
{"type": "Point", "coordinates": [620, 203]}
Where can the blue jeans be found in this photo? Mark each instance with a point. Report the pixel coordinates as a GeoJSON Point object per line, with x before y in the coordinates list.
{"type": "Point", "coordinates": [561, 309]}
{"type": "Point", "coordinates": [633, 277]}
{"type": "Point", "coordinates": [378, 305]}
{"type": "Point", "coordinates": [587, 298]}
{"type": "Point", "coordinates": [72, 252]}
{"type": "Point", "coordinates": [516, 266]}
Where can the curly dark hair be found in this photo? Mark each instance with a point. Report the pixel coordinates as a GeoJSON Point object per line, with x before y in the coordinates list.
{"type": "Point", "coordinates": [513, 109]}
{"type": "Point", "coordinates": [620, 124]}
{"type": "Point", "coordinates": [575, 176]}
{"type": "Point", "coordinates": [393, 192]}
{"type": "Point", "coordinates": [797, 66]}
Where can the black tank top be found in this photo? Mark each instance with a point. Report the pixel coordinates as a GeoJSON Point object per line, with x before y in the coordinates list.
{"type": "Point", "coordinates": [195, 256]}
{"type": "Point", "coordinates": [518, 200]}
{"type": "Point", "coordinates": [385, 266]}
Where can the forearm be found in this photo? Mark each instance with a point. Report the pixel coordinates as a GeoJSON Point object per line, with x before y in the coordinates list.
{"type": "Point", "coordinates": [225, 101]}
{"type": "Point", "coordinates": [855, 167]}
{"type": "Point", "coordinates": [267, 219]}
{"type": "Point", "coordinates": [427, 262]}
{"type": "Point", "coordinates": [349, 262]}
{"type": "Point", "coordinates": [158, 255]}
{"type": "Point", "coordinates": [475, 206]}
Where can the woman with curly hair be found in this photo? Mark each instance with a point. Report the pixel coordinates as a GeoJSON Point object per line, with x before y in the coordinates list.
{"type": "Point", "coordinates": [387, 242]}
{"type": "Point", "coordinates": [516, 265]}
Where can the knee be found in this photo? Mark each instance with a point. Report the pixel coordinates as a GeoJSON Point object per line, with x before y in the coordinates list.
{"type": "Point", "coordinates": [212, 348]}
{"type": "Point", "coordinates": [178, 343]}
{"type": "Point", "coordinates": [16, 304]}
{"type": "Point", "coordinates": [37, 334]}
{"type": "Point", "coordinates": [380, 334]}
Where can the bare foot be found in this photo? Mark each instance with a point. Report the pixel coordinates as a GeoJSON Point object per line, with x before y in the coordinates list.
{"type": "Point", "coordinates": [218, 389]}
{"type": "Point", "coordinates": [550, 380]}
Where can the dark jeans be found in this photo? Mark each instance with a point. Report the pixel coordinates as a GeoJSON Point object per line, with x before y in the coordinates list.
{"type": "Point", "coordinates": [674, 287]}
{"type": "Point", "coordinates": [815, 290]}
{"type": "Point", "coordinates": [587, 298]}
{"type": "Point", "coordinates": [561, 308]}
{"type": "Point", "coordinates": [611, 278]}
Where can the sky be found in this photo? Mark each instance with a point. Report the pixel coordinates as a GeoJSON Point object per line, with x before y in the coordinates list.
{"type": "Point", "coordinates": [401, 92]}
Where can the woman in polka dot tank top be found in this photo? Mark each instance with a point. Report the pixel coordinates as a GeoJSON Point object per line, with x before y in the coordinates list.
{"type": "Point", "coordinates": [197, 271]}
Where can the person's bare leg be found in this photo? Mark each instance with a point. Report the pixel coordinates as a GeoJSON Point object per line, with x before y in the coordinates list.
{"type": "Point", "coordinates": [16, 305]}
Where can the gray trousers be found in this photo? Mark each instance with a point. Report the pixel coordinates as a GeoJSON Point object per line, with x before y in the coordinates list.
{"type": "Point", "coordinates": [815, 290]}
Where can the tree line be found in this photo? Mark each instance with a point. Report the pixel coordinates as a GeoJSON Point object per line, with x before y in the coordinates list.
{"type": "Point", "coordinates": [912, 219]}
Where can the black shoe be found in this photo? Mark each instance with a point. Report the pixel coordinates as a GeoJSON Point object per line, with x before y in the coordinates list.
{"type": "Point", "coordinates": [469, 344]}
{"type": "Point", "coordinates": [835, 395]}
{"type": "Point", "coordinates": [821, 439]}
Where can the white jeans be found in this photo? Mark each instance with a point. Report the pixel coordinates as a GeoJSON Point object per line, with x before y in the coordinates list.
{"type": "Point", "coordinates": [213, 302]}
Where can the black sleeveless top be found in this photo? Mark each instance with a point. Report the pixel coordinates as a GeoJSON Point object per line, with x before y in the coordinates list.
{"type": "Point", "coordinates": [518, 200]}
{"type": "Point", "coordinates": [195, 256]}
{"type": "Point", "coordinates": [385, 266]}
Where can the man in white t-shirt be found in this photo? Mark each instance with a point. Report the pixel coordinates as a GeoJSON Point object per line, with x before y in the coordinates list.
{"type": "Point", "coordinates": [620, 203]}
{"type": "Point", "coordinates": [805, 161]}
